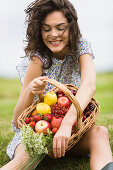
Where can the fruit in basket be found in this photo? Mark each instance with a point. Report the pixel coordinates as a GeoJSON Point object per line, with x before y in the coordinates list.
{"type": "Point", "coordinates": [42, 126]}
{"type": "Point", "coordinates": [38, 117]}
{"type": "Point", "coordinates": [87, 111]}
{"type": "Point", "coordinates": [48, 117]}
{"type": "Point", "coordinates": [59, 110]}
{"type": "Point", "coordinates": [31, 118]}
{"type": "Point", "coordinates": [32, 124]}
{"type": "Point", "coordinates": [34, 113]}
{"type": "Point", "coordinates": [27, 120]}
{"type": "Point", "coordinates": [60, 95]}
{"type": "Point", "coordinates": [84, 117]}
{"type": "Point", "coordinates": [73, 92]}
{"type": "Point", "coordinates": [54, 130]}
{"type": "Point", "coordinates": [60, 91]}
{"type": "Point", "coordinates": [50, 98]}
{"type": "Point", "coordinates": [43, 108]}
{"type": "Point", "coordinates": [56, 122]}
{"type": "Point", "coordinates": [63, 101]}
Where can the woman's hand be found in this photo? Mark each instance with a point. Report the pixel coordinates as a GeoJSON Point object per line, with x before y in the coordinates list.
{"type": "Point", "coordinates": [37, 86]}
{"type": "Point", "coordinates": [60, 141]}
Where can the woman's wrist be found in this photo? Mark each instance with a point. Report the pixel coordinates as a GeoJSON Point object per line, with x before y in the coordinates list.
{"type": "Point", "coordinates": [29, 91]}
{"type": "Point", "coordinates": [70, 117]}
{"type": "Point", "coordinates": [68, 122]}
{"type": "Point", "coordinates": [65, 126]}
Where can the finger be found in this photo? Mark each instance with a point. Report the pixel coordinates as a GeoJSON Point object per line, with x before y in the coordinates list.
{"type": "Point", "coordinates": [40, 92]}
{"type": "Point", "coordinates": [58, 148]}
{"type": "Point", "coordinates": [54, 147]}
{"type": "Point", "coordinates": [66, 143]}
{"type": "Point", "coordinates": [38, 82]}
{"type": "Point", "coordinates": [63, 147]}
{"type": "Point", "coordinates": [38, 88]}
{"type": "Point", "coordinates": [37, 91]}
{"type": "Point", "coordinates": [42, 77]}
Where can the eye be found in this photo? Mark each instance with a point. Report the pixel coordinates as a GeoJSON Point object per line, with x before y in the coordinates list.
{"type": "Point", "coordinates": [46, 29]}
{"type": "Point", "coordinates": [61, 29]}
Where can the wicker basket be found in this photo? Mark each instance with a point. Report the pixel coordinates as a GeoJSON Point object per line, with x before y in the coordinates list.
{"type": "Point", "coordinates": [82, 126]}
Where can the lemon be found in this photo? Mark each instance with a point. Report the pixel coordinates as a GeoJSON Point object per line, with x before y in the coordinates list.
{"type": "Point", "coordinates": [50, 98]}
{"type": "Point", "coordinates": [43, 108]}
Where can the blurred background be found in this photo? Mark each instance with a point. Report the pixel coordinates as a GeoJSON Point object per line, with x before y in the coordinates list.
{"type": "Point", "coordinates": [95, 18]}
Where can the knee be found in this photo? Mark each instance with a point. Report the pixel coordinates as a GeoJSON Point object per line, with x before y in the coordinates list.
{"type": "Point", "coordinates": [99, 133]}
{"type": "Point", "coordinates": [20, 152]}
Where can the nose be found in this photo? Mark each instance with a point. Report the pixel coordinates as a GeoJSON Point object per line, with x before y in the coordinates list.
{"type": "Point", "coordinates": [54, 33]}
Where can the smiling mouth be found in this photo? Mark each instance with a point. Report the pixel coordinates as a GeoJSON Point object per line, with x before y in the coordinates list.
{"type": "Point", "coordinates": [55, 43]}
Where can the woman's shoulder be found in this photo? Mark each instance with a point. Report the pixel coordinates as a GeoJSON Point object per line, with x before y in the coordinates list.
{"type": "Point", "coordinates": [84, 46]}
{"type": "Point", "coordinates": [83, 41]}
{"type": "Point", "coordinates": [22, 67]}
{"type": "Point", "coordinates": [26, 63]}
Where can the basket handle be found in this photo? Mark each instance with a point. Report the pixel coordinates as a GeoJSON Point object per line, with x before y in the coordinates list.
{"type": "Point", "coordinates": [66, 91]}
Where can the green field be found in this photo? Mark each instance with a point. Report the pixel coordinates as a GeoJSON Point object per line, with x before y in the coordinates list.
{"type": "Point", "coordinates": [9, 92]}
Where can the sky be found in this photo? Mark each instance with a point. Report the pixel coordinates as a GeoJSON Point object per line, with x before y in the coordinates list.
{"type": "Point", "coordinates": [95, 19]}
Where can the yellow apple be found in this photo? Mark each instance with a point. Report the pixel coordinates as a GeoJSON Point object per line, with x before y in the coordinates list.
{"type": "Point", "coordinates": [43, 108]}
{"type": "Point", "coordinates": [50, 98]}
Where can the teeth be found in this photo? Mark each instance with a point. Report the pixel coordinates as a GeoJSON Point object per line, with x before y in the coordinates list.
{"type": "Point", "coordinates": [55, 42]}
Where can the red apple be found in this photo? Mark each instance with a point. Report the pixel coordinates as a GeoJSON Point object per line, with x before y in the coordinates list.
{"type": "Point", "coordinates": [63, 101]}
{"type": "Point", "coordinates": [56, 122]}
{"type": "Point", "coordinates": [42, 126]}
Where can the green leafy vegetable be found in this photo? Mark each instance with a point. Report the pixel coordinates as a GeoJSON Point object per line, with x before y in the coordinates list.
{"type": "Point", "coordinates": [35, 143]}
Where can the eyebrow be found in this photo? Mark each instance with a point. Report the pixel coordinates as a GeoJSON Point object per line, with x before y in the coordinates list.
{"type": "Point", "coordinates": [56, 25]}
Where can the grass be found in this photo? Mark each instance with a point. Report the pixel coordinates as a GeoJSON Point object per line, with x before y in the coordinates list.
{"type": "Point", "coordinates": [9, 93]}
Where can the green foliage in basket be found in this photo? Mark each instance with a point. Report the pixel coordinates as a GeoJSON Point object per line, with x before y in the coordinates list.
{"type": "Point", "coordinates": [35, 143]}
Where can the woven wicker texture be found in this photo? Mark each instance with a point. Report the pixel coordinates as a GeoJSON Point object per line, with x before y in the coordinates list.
{"type": "Point", "coordinates": [82, 126]}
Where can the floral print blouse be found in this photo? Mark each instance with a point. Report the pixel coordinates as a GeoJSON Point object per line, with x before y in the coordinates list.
{"type": "Point", "coordinates": [66, 71]}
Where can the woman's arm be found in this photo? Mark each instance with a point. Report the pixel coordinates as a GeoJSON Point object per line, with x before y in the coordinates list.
{"type": "Point", "coordinates": [88, 84]}
{"type": "Point", "coordinates": [32, 85]}
{"type": "Point", "coordinates": [83, 96]}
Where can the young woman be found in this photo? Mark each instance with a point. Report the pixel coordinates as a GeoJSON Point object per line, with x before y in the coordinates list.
{"type": "Point", "coordinates": [57, 49]}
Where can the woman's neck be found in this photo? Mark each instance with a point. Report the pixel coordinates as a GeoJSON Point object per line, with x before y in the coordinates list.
{"type": "Point", "coordinates": [60, 55]}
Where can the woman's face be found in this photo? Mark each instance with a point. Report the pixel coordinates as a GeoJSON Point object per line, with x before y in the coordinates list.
{"type": "Point", "coordinates": [53, 34]}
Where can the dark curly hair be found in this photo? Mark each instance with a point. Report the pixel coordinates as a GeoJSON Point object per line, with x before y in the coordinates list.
{"type": "Point", "coordinates": [36, 13]}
